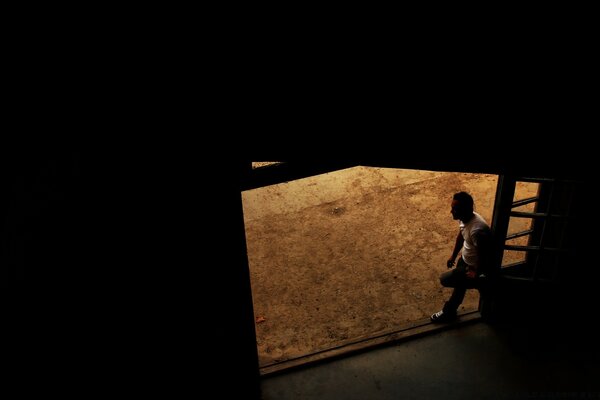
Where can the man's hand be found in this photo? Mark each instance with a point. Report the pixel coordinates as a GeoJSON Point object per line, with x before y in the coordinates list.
{"type": "Point", "coordinates": [450, 263]}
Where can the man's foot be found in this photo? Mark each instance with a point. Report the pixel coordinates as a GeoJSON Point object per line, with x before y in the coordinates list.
{"type": "Point", "coordinates": [441, 316]}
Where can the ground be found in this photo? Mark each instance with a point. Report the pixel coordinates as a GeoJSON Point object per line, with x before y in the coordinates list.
{"type": "Point", "coordinates": [352, 253]}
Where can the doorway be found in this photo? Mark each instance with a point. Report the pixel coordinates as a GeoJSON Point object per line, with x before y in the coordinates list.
{"type": "Point", "coordinates": [350, 254]}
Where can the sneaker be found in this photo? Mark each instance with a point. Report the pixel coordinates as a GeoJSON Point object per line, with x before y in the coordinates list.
{"type": "Point", "coordinates": [441, 316]}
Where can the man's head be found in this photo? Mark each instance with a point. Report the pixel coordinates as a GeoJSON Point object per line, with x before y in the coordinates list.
{"type": "Point", "coordinates": [462, 206]}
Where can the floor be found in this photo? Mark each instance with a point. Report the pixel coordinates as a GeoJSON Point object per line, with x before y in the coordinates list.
{"type": "Point", "coordinates": [474, 361]}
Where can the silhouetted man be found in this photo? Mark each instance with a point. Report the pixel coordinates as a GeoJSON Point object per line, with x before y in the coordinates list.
{"type": "Point", "coordinates": [474, 244]}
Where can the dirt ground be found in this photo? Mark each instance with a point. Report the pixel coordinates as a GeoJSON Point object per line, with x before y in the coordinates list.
{"type": "Point", "coordinates": [352, 253]}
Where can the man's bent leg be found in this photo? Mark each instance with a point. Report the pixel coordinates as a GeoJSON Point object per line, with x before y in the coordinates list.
{"type": "Point", "coordinates": [452, 278]}
{"type": "Point", "coordinates": [458, 295]}
{"type": "Point", "coordinates": [457, 279]}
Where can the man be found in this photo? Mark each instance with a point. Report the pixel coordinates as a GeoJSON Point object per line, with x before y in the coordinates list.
{"type": "Point", "coordinates": [474, 244]}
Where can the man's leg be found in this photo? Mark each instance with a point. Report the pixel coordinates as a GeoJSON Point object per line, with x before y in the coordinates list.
{"type": "Point", "coordinates": [456, 279]}
{"type": "Point", "coordinates": [458, 295]}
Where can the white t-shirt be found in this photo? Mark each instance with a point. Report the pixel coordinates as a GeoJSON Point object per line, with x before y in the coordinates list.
{"type": "Point", "coordinates": [473, 232]}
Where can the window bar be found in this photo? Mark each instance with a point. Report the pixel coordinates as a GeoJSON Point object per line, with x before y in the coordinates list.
{"type": "Point", "coordinates": [543, 235]}
{"type": "Point", "coordinates": [524, 214]}
{"type": "Point", "coordinates": [535, 180]}
{"type": "Point", "coordinates": [519, 234]}
{"type": "Point", "coordinates": [522, 202]}
{"type": "Point", "coordinates": [533, 248]}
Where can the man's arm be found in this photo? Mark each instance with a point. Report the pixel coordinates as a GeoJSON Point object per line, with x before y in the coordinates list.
{"type": "Point", "coordinates": [457, 246]}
